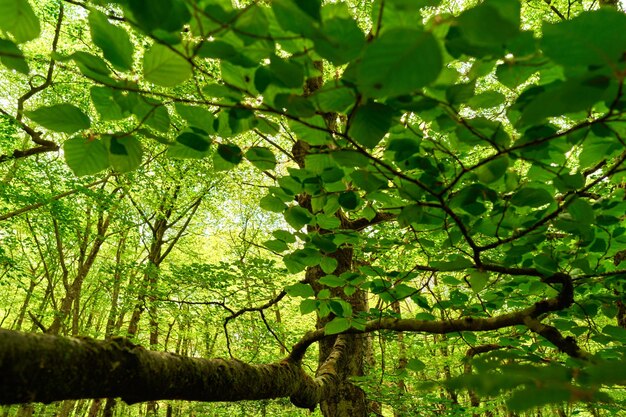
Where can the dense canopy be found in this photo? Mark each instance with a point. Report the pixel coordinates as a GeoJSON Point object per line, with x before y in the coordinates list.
{"type": "Point", "coordinates": [194, 193]}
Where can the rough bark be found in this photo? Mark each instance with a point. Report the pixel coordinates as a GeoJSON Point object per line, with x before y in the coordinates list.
{"type": "Point", "coordinates": [347, 399]}
{"type": "Point", "coordinates": [72, 368]}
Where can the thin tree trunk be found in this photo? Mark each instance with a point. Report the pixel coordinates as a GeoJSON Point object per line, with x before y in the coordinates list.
{"type": "Point", "coordinates": [400, 411]}
{"type": "Point", "coordinates": [29, 293]}
{"type": "Point", "coordinates": [94, 409]}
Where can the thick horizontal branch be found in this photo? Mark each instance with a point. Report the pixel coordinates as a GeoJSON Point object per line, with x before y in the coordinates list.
{"type": "Point", "coordinates": [45, 368]}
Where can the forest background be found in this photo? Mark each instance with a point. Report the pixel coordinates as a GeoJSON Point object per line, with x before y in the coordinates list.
{"type": "Point", "coordinates": [387, 207]}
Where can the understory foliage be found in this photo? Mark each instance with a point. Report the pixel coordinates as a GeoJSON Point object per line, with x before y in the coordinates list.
{"type": "Point", "coordinates": [226, 157]}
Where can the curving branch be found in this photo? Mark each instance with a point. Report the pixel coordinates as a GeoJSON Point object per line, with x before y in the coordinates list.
{"type": "Point", "coordinates": [564, 299]}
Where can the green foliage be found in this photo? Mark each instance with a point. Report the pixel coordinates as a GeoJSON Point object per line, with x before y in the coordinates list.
{"type": "Point", "coordinates": [165, 66]}
{"type": "Point", "coordinates": [65, 118]}
{"type": "Point", "coordinates": [11, 57]}
{"type": "Point", "coordinates": [446, 164]}
{"type": "Point", "coordinates": [86, 156]}
{"type": "Point", "coordinates": [398, 62]}
{"type": "Point", "coordinates": [113, 41]}
{"type": "Point", "coordinates": [18, 18]}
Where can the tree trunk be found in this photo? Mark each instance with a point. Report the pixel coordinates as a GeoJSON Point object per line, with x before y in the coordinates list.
{"type": "Point", "coordinates": [24, 308]}
{"type": "Point", "coordinates": [400, 411]}
{"type": "Point", "coordinates": [347, 400]}
{"type": "Point", "coordinates": [94, 409]}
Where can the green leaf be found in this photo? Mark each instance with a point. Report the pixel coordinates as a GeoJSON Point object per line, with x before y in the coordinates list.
{"type": "Point", "coordinates": [596, 150]}
{"type": "Point", "coordinates": [478, 280]}
{"type": "Point", "coordinates": [253, 22]}
{"type": "Point", "coordinates": [455, 263]}
{"type": "Point", "coordinates": [167, 15]}
{"type": "Point", "coordinates": [12, 57]}
{"type": "Point", "coordinates": [300, 290]}
{"type": "Point", "coordinates": [308, 306]}
{"type": "Point", "coordinates": [531, 197]}
{"type": "Point", "coordinates": [65, 118]}
{"type": "Point", "coordinates": [196, 116]}
{"type": "Point", "coordinates": [367, 180]}
{"type": "Point", "coordinates": [272, 203]}
{"type": "Point", "coordinates": [349, 200]}
{"type": "Point", "coordinates": [85, 156]}
{"type": "Point", "coordinates": [154, 115]}
{"type": "Point", "coordinates": [592, 38]}
{"type": "Point", "coordinates": [513, 74]}
{"type": "Point", "coordinates": [415, 365]}
{"type": "Point", "coordinates": [276, 245]}
{"type": "Point", "coordinates": [295, 105]}
{"type": "Point", "coordinates": [559, 98]}
{"type": "Point", "coordinates": [370, 124]}
{"type": "Point", "coordinates": [262, 158]}
{"type": "Point", "coordinates": [340, 41]}
{"type": "Point", "coordinates": [411, 214]}
{"type": "Point", "coordinates": [113, 40]}
{"type": "Point", "coordinates": [298, 217]}
{"type": "Point", "coordinates": [328, 264]}
{"type": "Point", "coordinates": [327, 222]}
{"type": "Point", "coordinates": [545, 264]}
{"type": "Point", "coordinates": [19, 19]}
{"type": "Point", "coordinates": [230, 152]}
{"type": "Point", "coordinates": [311, 130]}
{"type": "Point", "coordinates": [298, 16]}
{"type": "Point", "coordinates": [221, 92]}
{"type": "Point", "coordinates": [332, 281]}
{"type": "Point", "coordinates": [288, 73]}
{"type": "Point", "coordinates": [340, 308]}
{"type": "Point", "coordinates": [486, 99]}
{"type": "Point", "coordinates": [125, 153]}
{"type": "Point", "coordinates": [348, 158]}
{"type": "Point", "coordinates": [504, 21]}
{"type": "Point", "coordinates": [90, 65]}
{"type": "Point", "coordinates": [104, 102]}
{"type": "Point", "coordinates": [218, 49]}
{"type": "Point", "coordinates": [337, 325]}
{"type": "Point", "coordinates": [333, 98]}
{"type": "Point", "coordinates": [493, 170]}
{"type": "Point", "coordinates": [581, 211]}
{"type": "Point", "coordinates": [164, 67]}
{"type": "Point", "coordinates": [400, 61]}
{"type": "Point", "coordinates": [284, 235]}
{"type": "Point", "coordinates": [194, 141]}
{"type": "Point", "coordinates": [533, 396]}
{"type": "Point", "coordinates": [425, 316]}
{"type": "Point", "coordinates": [189, 145]}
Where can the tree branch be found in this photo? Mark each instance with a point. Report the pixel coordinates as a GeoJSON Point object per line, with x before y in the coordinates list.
{"type": "Point", "coordinates": [44, 368]}
{"type": "Point", "coordinates": [564, 299]}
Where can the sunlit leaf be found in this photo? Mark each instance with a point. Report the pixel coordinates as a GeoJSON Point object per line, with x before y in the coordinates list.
{"type": "Point", "coordinates": [85, 156]}
{"type": "Point", "coordinates": [65, 118]}
{"type": "Point", "coordinates": [113, 40]}
{"type": "Point", "coordinates": [400, 61]}
{"type": "Point", "coordinates": [165, 67]}
{"type": "Point", "coordinates": [337, 325]}
{"type": "Point", "coordinates": [18, 18]}
{"type": "Point", "coordinates": [12, 57]}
